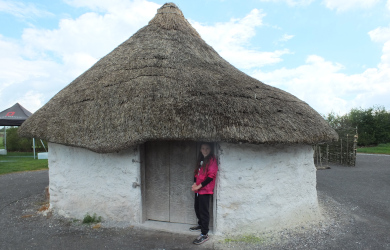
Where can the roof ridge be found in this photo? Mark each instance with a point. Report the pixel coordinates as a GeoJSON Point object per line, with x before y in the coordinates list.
{"type": "Point", "coordinates": [172, 19]}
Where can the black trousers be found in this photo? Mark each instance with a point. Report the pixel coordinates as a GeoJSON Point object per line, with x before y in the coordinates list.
{"type": "Point", "coordinates": [202, 203]}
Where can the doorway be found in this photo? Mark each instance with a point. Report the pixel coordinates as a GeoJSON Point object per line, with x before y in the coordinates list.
{"type": "Point", "coordinates": [169, 174]}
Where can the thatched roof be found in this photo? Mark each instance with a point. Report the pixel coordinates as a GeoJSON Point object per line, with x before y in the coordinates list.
{"type": "Point", "coordinates": [166, 83]}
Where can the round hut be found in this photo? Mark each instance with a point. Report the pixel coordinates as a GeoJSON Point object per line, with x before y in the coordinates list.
{"type": "Point", "coordinates": [124, 135]}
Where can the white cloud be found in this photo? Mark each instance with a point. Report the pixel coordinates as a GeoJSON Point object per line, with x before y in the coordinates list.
{"type": "Point", "coordinates": [324, 87]}
{"type": "Point", "coordinates": [22, 10]}
{"type": "Point", "coordinates": [32, 100]}
{"type": "Point", "coordinates": [21, 79]}
{"type": "Point", "coordinates": [231, 41]}
{"type": "Point", "coordinates": [380, 35]}
{"type": "Point", "coordinates": [344, 5]}
{"type": "Point", "coordinates": [285, 38]}
{"type": "Point", "coordinates": [44, 61]}
{"type": "Point", "coordinates": [385, 58]}
{"type": "Point", "coordinates": [291, 2]}
{"type": "Point", "coordinates": [93, 33]}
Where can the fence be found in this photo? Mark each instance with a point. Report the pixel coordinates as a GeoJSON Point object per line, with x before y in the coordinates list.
{"type": "Point", "coordinates": [341, 152]}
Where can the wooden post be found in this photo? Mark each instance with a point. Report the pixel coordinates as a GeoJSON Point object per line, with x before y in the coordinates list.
{"type": "Point", "coordinates": [34, 146]}
{"type": "Point", "coordinates": [347, 155]}
{"type": "Point", "coordinates": [354, 149]}
{"type": "Point", "coordinates": [341, 151]}
{"type": "Point", "coordinates": [5, 139]}
{"type": "Point", "coordinates": [319, 151]}
{"type": "Point", "coordinates": [327, 154]}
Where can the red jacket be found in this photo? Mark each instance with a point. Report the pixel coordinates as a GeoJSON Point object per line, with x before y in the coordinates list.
{"type": "Point", "coordinates": [212, 173]}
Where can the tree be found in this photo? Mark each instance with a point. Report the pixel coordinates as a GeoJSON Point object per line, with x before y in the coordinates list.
{"type": "Point", "coordinates": [16, 143]}
{"type": "Point", "coordinates": [382, 125]}
{"type": "Point", "coordinates": [373, 124]}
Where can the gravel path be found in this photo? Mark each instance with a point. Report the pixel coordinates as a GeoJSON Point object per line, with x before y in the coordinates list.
{"type": "Point", "coordinates": [355, 203]}
{"type": "Point", "coordinates": [18, 186]}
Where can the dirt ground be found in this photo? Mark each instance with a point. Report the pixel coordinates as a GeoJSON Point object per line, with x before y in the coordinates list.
{"type": "Point", "coordinates": [354, 200]}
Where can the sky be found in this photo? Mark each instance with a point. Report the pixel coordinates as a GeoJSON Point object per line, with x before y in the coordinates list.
{"type": "Point", "coordinates": [332, 54]}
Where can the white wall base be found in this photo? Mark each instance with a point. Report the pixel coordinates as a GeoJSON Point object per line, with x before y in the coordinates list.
{"type": "Point", "coordinates": [259, 187]}
{"type": "Point", "coordinates": [82, 182]}
{"type": "Point", "coordinates": [3, 152]}
{"type": "Point", "coordinates": [263, 187]}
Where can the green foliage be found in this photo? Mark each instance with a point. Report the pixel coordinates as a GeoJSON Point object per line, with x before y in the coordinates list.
{"type": "Point", "coordinates": [15, 143]}
{"type": "Point", "coordinates": [380, 149]}
{"type": "Point", "coordinates": [373, 124]}
{"type": "Point", "coordinates": [20, 161]}
{"type": "Point", "coordinates": [88, 219]}
{"type": "Point", "coordinates": [337, 122]}
{"type": "Point", "coordinates": [341, 124]}
{"type": "Point", "coordinates": [21, 144]}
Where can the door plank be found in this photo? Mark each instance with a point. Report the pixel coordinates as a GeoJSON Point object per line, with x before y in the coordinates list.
{"type": "Point", "coordinates": [157, 181]}
{"type": "Point", "coordinates": [182, 164]}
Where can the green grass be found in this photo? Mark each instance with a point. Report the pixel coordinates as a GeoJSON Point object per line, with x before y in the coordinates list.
{"type": "Point", "coordinates": [91, 219]}
{"type": "Point", "coordinates": [380, 149]}
{"type": "Point", "coordinates": [20, 161]}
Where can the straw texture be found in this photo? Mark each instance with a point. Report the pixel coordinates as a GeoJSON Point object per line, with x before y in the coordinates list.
{"type": "Point", "coordinates": [166, 83]}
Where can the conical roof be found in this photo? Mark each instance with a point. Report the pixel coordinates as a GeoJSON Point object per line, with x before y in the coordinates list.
{"type": "Point", "coordinates": [14, 116]}
{"type": "Point", "coordinates": [166, 83]}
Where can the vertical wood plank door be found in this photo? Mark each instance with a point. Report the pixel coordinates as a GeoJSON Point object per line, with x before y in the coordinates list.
{"type": "Point", "coordinates": [183, 161]}
{"type": "Point", "coordinates": [157, 181]}
{"type": "Point", "coordinates": [169, 168]}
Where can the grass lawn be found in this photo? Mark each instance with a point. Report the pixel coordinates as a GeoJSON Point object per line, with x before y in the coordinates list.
{"type": "Point", "coordinates": [20, 161]}
{"type": "Point", "coordinates": [380, 149]}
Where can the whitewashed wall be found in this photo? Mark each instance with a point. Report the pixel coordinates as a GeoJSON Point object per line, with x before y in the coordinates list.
{"type": "Point", "coordinates": [262, 187]}
{"type": "Point", "coordinates": [82, 181]}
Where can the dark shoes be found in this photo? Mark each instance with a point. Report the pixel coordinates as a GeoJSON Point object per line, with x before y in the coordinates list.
{"type": "Point", "coordinates": [201, 239]}
{"type": "Point", "coordinates": [196, 228]}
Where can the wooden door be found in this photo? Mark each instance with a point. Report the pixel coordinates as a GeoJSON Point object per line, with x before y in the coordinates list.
{"type": "Point", "coordinates": [169, 168]}
{"type": "Point", "coordinates": [157, 156]}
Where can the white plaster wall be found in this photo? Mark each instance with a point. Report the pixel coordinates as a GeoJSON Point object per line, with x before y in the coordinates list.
{"type": "Point", "coordinates": [263, 187]}
{"type": "Point", "coordinates": [82, 181]}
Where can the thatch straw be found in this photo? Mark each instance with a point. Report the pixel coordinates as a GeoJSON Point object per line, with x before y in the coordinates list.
{"type": "Point", "coordinates": [166, 83]}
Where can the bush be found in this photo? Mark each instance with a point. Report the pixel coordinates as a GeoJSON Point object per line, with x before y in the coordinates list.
{"type": "Point", "coordinates": [21, 144]}
{"type": "Point", "coordinates": [373, 124]}
{"type": "Point", "coordinates": [91, 219]}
